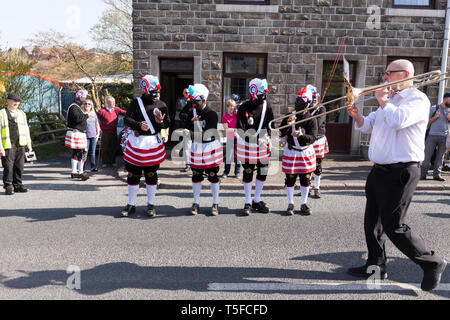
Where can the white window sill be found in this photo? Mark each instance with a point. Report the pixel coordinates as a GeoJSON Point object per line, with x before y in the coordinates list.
{"type": "Point", "coordinates": [415, 13]}
{"type": "Point", "coordinates": [246, 8]}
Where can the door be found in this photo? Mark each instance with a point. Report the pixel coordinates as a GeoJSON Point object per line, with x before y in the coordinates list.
{"type": "Point", "coordinates": [176, 75]}
{"type": "Point", "coordinates": [339, 124]}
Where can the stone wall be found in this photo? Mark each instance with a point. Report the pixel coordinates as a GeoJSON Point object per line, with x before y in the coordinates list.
{"type": "Point", "coordinates": [297, 36]}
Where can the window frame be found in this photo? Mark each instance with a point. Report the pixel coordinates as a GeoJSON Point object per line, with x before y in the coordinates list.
{"type": "Point", "coordinates": [240, 75]}
{"type": "Point", "coordinates": [431, 5]}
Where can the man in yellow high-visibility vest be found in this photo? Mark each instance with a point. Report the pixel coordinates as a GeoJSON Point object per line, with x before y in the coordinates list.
{"type": "Point", "coordinates": [15, 137]}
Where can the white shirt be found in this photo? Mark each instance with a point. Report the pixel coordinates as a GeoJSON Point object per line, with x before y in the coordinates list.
{"type": "Point", "coordinates": [398, 130]}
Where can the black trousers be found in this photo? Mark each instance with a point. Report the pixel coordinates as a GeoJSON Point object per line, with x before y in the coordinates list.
{"type": "Point", "coordinates": [13, 164]}
{"type": "Point", "coordinates": [109, 147]}
{"type": "Point", "coordinates": [389, 191]}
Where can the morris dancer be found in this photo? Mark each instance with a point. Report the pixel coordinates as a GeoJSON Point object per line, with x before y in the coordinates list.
{"type": "Point", "coordinates": [206, 151]}
{"type": "Point", "coordinates": [321, 143]}
{"type": "Point", "coordinates": [299, 158]}
{"type": "Point", "coordinates": [76, 135]}
{"type": "Point", "coordinates": [145, 150]}
{"type": "Point", "coordinates": [253, 145]}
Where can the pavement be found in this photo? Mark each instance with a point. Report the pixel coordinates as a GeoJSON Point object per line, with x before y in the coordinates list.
{"type": "Point", "coordinates": [340, 172]}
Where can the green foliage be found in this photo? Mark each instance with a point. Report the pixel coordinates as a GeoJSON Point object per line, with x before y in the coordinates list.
{"type": "Point", "coordinates": [12, 67]}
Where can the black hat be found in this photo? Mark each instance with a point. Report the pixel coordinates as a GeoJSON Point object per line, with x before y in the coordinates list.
{"type": "Point", "coordinates": [13, 96]}
{"type": "Point", "coordinates": [447, 95]}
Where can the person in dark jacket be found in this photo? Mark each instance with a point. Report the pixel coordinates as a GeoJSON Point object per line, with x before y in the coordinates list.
{"type": "Point", "coordinates": [253, 143]}
{"type": "Point", "coordinates": [76, 135]}
{"type": "Point", "coordinates": [206, 154]}
{"type": "Point", "coordinates": [145, 150]}
{"type": "Point", "coordinates": [299, 157]}
{"type": "Point", "coordinates": [321, 143]}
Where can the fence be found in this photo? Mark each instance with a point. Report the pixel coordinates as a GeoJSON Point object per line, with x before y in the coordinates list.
{"type": "Point", "coordinates": [47, 128]}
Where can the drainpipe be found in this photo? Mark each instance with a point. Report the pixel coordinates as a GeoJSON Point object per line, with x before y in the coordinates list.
{"type": "Point", "coordinates": [444, 52]}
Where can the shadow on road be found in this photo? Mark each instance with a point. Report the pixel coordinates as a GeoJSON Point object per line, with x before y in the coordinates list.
{"type": "Point", "coordinates": [123, 275]}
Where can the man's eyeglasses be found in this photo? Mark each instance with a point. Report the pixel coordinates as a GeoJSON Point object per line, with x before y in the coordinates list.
{"type": "Point", "coordinates": [186, 92]}
{"type": "Point", "coordinates": [388, 73]}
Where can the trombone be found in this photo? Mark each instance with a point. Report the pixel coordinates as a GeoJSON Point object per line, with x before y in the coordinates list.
{"type": "Point", "coordinates": [353, 94]}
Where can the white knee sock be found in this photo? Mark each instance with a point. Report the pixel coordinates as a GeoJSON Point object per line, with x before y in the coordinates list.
{"type": "Point", "coordinates": [258, 190]}
{"type": "Point", "coordinates": [215, 188]}
{"type": "Point", "coordinates": [132, 194]}
{"type": "Point", "coordinates": [197, 188]}
{"type": "Point", "coordinates": [248, 192]}
{"type": "Point", "coordinates": [316, 181]}
{"type": "Point", "coordinates": [74, 166]}
{"type": "Point", "coordinates": [305, 192]}
{"type": "Point", "coordinates": [80, 166]}
{"type": "Point", "coordinates": [151, 192]}
{"type": "Point", "coordinates": [290, 194]}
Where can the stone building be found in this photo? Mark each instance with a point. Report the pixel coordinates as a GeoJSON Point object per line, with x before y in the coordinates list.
{"type": "Point", "coordinates": [225, 43]}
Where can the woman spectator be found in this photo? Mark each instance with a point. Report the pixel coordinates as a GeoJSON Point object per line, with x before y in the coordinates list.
{"type": "Point", "coordinates": [229, 121]}
{"type": "Point", "coordinates": [92, 132]}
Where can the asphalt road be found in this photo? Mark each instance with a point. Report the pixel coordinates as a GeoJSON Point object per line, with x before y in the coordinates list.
{"type": "Point", "coordinates": [63, 225]}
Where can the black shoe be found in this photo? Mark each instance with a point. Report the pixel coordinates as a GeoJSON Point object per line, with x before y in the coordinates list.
{"type": "Point", "coordinates": [215, 210]}
{"type": "Point", "coordinates": [432, 277]}
{"type": "Point", "coordinates": [317, 194]}
{"type": "Point", "coordinates": [195, 209]}
{"type": "Point", "coordinates": [20, 189]}
{"type": "Point", "coordinates": [438, 178]}
{"type": "Point", "coordinates": [151, 212]}
{"type": "Point", "coordinates": [446, 168]}
{"type": "Point", "coordinates": [9, 191]}
{"type": "Point", "coordinates": [128, 210]}
{"type": "Point", "coordinates": [75, 176]}
{"type": "Point", "coordinates": [94, 170]}
{"type": "Point", "coordinates": [84, 176]}
{"type": "Point", "coordinates": [305, 209]}
{"type": "Point", "coordinates": [364, 273]}
{"type": "Point", "coordinates": [247, 209]}
{"type": "Point", "coordinates": [260, 207]}
{"type": "Point", "coordinates": [186, 169]}
{"type": "Point", "coordinates": [290, 210]}
{"type": "Point", "coordinates": [225, 175]}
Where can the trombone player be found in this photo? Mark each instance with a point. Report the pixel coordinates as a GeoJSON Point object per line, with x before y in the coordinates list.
{"type": "Point", "coordinates": [397, 130]}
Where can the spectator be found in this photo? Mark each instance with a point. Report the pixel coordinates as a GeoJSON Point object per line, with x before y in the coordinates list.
{"type": "Point", "coordinates": [14, 136]}
{"type": "Point", "coordinates": [109, 117]}
{"type": "Point", "coordinates": [180, 114]}
{"type": "Point", "coordinates": [229, 121]}
{"type": "Point", "coordinates": [437, 137]}
{"type": "Point", "coordinates": [92, 132]}
{"type": "Point", "coordinates": [181, 103]}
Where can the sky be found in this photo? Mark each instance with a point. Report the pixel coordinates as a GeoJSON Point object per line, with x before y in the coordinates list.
{"type": "Point", "coordinates": [21, 19]}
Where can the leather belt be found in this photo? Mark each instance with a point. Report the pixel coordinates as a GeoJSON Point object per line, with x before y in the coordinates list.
{"type": "Point", "coordinates": [397, 165]}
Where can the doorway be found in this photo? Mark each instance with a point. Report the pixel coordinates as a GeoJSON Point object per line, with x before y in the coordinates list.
{"type": "Point", "coordinates": [176, 75]}
{"type": "Point", "coordinates": [339, 124]}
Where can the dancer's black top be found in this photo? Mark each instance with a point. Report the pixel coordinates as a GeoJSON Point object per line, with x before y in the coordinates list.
{"type": "Point", "coordinates": [134, 116]}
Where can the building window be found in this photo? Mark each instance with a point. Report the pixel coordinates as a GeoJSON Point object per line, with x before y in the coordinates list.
{"type": "Point", "coordinates": [421, 66]}
{"type": "Point", "coordinates": [239, 69]}
{"type": "Point", "coordinates": [336, 89]}
{"type": "Point", "coordinates": [414, 4]}
{"type": "Point", "coordinates": [260, 2]}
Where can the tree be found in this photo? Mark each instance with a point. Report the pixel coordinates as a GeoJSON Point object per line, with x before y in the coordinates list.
{"type": "Point", "coordinates": [13, 66]}
{"type": "Point", "coordinates": [114, 31]}
{"type": "Point", "coordinates": [78, 60]}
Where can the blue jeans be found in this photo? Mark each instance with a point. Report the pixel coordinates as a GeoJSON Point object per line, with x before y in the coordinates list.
{"type": "Point", "coordinates": [91, 146]}
{"type": "Point", "coordinates": [230, 150]}
{"type": "Point", "coordinates": [430, 144]}
{"type": "Point", "coordinates": [187, 149]}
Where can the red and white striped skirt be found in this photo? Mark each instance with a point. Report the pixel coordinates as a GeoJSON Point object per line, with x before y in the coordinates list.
{"type": "Point", "coordinates": [321, 147]}
{"type": "Point", "coordinates": [206, 155]}
{"type": "Point", "coordinates": [248, 152]}
{"type": "Point", "coordinates": [296, 162]}
{"type": "Point", "coordinates": [144, 151]}
{"type": "Point", "coordinates": [76, 140]}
